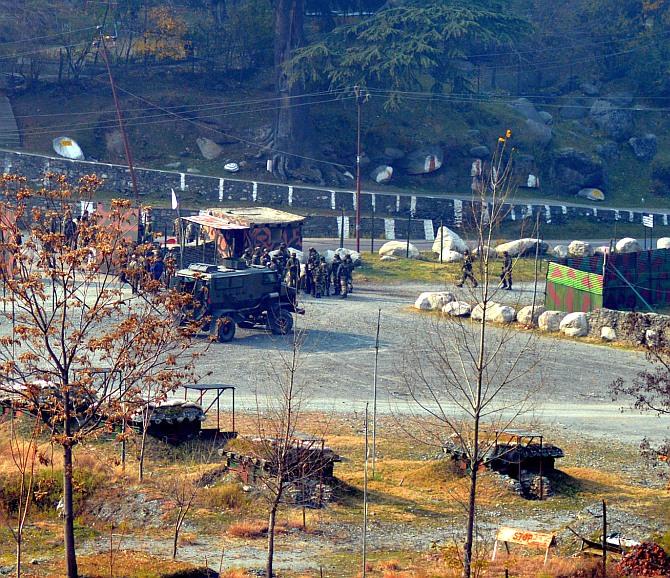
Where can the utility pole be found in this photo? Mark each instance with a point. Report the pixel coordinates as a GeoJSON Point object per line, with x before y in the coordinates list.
{"type": "Point", "coordinates": [360, 99]}
{"type": "Point", "coordinates": [124, 136]}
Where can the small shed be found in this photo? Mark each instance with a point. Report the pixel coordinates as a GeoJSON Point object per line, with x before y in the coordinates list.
{"type": "Point", "coordinates": [235, 230]}
{"type": "Point", "coordinates": [638, 281]}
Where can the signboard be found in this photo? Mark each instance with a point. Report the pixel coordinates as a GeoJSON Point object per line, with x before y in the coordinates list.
{"type": "Point", "coordinates": [648, 221]}
{"type": "Point", "coordinates": [539, 540]}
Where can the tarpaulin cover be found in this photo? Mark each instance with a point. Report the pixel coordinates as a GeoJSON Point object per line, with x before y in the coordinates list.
{"type": "Point", "coordinates": [563, 275]}
{"type": "Point", "coordinates": [565, 298]}
{"type": "Point", "coordinates": [215, 223]}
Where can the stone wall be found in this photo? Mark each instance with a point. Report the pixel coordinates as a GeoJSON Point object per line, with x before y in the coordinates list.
{"type": "Point", "coordinates": [630, 327]}
{"type": "Point", "coordinates": [426, 211]}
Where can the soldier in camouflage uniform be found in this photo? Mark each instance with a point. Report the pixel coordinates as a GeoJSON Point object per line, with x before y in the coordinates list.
{"type": "Point", "coordinates": [324, 272]}
{"type": "Point", "coordinates": [335, 272]}
{"type": "Point", "coordinates": [466, 271]}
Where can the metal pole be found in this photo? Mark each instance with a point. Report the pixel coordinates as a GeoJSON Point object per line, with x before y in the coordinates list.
{"type": "Point", "coordinates": [124, 136]}
{"type": "Point", "coordinates": [374, 397]}
{"type": "Point", "coordinates": [372, 232]}
{"type": "Point", "coordinates": [604, 539]}
{"type": "Point", "coordinates": [342, 230]}
{"type": "Point", "coordinates": [409, 228]}
{"type": "Point", "coordinates": [537, 251]}
{"type": "Point", "coordinates": [441, 239]}
{"type": "Point", "coordinates": [357, 92]}
{"type": "Point", "coordinates": [365, 498]}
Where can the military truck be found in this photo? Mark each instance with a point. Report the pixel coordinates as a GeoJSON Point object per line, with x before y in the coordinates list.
{"type": "Point", "coordinates": [232, 294]}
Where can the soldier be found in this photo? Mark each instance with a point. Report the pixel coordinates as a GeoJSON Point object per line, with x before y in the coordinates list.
{"type": "Point", "coordinates": [466, 271]}
{"type": "Point", "coordinates": [256, 257]}
{"type": "Point", "coordinates": [293, 266]}
{"type": "Point", "coordinates": [324, 275]}
{"type": "Point", "coordinates": [506, 274]}
{"type": "Point", "coordinates": [283, 254]}
{"type": "Point", "coordinates": [157, 268]}
{"type": "Point", "coordinates": [265, 257]}
{"type": "Point", "coordinates": [344, 275]}
{"type": "Point", "coordinates": [335, 271]}
{"type": "Point", "coordinates": [350, 273]}
{"type": "Point", "coordinates": [190, 233]}
{"type": "Point", "coordinates": [70, 230]}
{"type": "Point", "coordinates": [310, 273]}
{"type": "Point", "coordinates": [247, 257]}
{"type": "Point", "coordinates": [170, 267]}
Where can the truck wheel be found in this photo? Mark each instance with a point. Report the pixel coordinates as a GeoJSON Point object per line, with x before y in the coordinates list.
{"type": "Point", "coordinates": [224, 327]}
{"type": "Point", "coordinates": [281, 322]}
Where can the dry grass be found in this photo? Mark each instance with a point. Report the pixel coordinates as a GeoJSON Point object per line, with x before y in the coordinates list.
{"type": "Point", "coordinates": [224, 497]}
{"type": "Point", "coordinates": [248, 529]}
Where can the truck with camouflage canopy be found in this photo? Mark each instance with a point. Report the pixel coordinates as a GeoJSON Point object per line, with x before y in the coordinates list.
{"type": "Point", "coordinates": [232, 294]}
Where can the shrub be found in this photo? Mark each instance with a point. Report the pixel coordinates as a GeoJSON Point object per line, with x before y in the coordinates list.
{"type": "Point", "coordinates": [248, 529]}
{"type": "Point", "coordinates": [224, 497]}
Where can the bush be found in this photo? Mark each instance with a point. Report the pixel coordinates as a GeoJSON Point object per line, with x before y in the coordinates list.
{"type": "Point", "coordinates": [660, 174]}
{"type": "Point", "coordinates": [248, 529]}
{"type": "Point", "coordinates": [224, 497]}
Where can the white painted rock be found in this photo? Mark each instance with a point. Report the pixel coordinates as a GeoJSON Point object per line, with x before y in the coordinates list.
{"type": "Point", "coordinates": [432, 300]}
{"type": "Point", "coordinates": [580, 249]}
{"type": "Point", "coordinates": [452, 241]}
{"type": "Point", "coordinates": [521, 247]}
{"type": "Point", "coordinates": [342, 252]}
{"type": "Point", "coordinates": [608, 334]}
{"type": "Point", "coordinates": [451, 257]}
{"type": "Point", "coordinates": [602, 250]}
{"type": "Point", "coordinates": [529, 315]}
{"type": "Point", "coordinates": [480, 252]}
{"type": "Point", "coordinates": [663, 243]}
{"type": "Point", "coordinates": [575, 325]}
{"type": "Point", "coordinates": [560, 251]}
{"type": "Point", "coordinates": [398, 249]}
{"type": "Point", "coordinates": [389, 258]}
{"type": "Point", "coordinates": [457, 309]}
{"type": "Point", "coordinates": [628, 245]}
{"type": "Point", "coordinates": [382, 174]}
{"type": "Point", "coordinates": [502, 314]}
{"type": "Point", "coordinates": [209, 149]}
{"type": "Point", "coordinates": [592, 194]}
{"type": "Point", "coordinates": [550, 320]}
{"type": "Point", "coordinates": [477, 312]}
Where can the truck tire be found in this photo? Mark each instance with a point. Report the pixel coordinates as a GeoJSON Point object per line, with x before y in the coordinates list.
{"type": "Point", "coordinates": [224, 329]}
{"type": "Point", "coordinates": [281, 321]}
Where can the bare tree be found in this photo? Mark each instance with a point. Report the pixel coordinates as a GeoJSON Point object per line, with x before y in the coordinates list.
{"type": "Point", "coordinates": [70, 316]}
{"type": "Point", "coordinates": [467, 381]}
{"type": "Point", "coordinates": [181, 489]}
{"type": "Point", "coordinates": [25, 455]}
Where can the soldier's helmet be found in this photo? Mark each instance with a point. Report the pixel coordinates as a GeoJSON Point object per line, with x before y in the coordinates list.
{"type": "Point", "coordinates": [323, 259]}
{"type": "Point", "coordinates": [505, 253]}
{"type": "Point", "coordinates": [466, 252]}
{"type": "Point", "coordinates": [282, 246]}
{"type": "Point", "coordinates": [347, 258]}
{"type": "Point", "coordinates": [337, 256]}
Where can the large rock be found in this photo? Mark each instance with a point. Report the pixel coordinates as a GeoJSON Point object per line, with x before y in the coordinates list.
{"type": "Point", "coordinates": [575, 325]}
{"type": "Point", "coordinates": [526, 109]}
{"type": "Point", "coordinates": [580, 249]}
{"type": "Point", "coordinates": [628, 245]}
{"type": "Point", "coordinates": [591, 194]}
{"type": "Point", "coordinates": [457, 309]}
{"type": "Point", "coordinates": [480, 152]}
{"type": "Point", "coordinates": [477, 312]}
{"type": "Point", "coordinates": [433, 300]}
{"type": "Point", "coordinates": [355, 255]}
{"type": "Point", "coordinates": [382, 174]}
{"type": "Point", "coordinates": [398, 249]}
{"type": "Point", "coordinates": [550, 321]}
{"type": "Point", "coordinates": [607, 334]}
{"type": "Point", "coordinates": [423, 161]}
{"type": "Point", "coordinates": [663, 243]}
{"type": "Point", "coordinates": [602, 250]}
{"type": "Point", "coordinates": [208, 148]}
{"type": "Point", "coordinates": [452, 241]}
{"type": "Point", "coordinates": [451, 257]}
{"type": "Point", "coordinates": [536, 133]}
{"type": "Point", "coordinates": [522, 247]}
{"type": "Point", "coordinates": [495, 312]}
{"type": "Point", "coordinates": [614, 122]}
{"type": "Point", "coordinates": [574, 170]}
{"type": "Point", "coordinates": [644, 148]}
{"type": "Point", "coordinates": [560, 251]}
{"type": "Point", "coordinates": [483, 251]}
{"type": "Point", "coordinates": [529, 315]}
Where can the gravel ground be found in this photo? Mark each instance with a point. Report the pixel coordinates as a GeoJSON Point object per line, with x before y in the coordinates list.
{"type": "Point", "coordinates": [338, 360]}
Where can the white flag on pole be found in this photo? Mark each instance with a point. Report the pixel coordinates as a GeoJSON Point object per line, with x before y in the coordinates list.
{"type": "Point", "coordinates": [648, 221]}
{"type": "Point", "coordinates": [175, 201]}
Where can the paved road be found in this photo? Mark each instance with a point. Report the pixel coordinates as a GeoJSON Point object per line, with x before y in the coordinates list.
{"type": "Point", "coordinates": [338, 356]}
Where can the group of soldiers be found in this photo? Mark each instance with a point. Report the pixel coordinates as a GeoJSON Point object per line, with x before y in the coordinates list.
{"type": "Point", "coordinates": [317, 278]}
{"type": "Point", "coordinates": [468, 276]}
{"type": "Point", "coordinates": [137, 266]}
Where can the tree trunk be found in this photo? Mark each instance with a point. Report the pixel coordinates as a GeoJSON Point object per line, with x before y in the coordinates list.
{"type": "Point", "coordinates": [271, 540]}
{"type": "Point", "coordinates": [175, 540]}
{"type": "Point", "coordinates": [472, 505]}
{"type": "Point", "coordinates": [19, 552]}
{"type": "Point", "coordinates": [68, 509]}
{"type": "Point", "coordinates": [290, 127]}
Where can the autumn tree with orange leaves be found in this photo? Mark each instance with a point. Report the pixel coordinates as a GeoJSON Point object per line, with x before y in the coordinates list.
{"type": "Point", "coordinates": [77, 348]}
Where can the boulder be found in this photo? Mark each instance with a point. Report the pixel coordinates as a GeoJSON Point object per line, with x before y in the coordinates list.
{"type": "Point", "coordinates": [389, 258]}
{"type": "Point", "coordinates": [644, 148]}
{"type": "Point", "coordinates": [607, 334]}
{"type": "Point", "coordinates": [550, 321]}
{"type": "Point", "coordinates": [602, 250]}
{"type": "Point", "coordinates": [480, 152]}
{"type": "Point", "coordinates": [451, 257]}
{"type": "Point", "coordinates": [614, 122]}
{"type": "Point", "coordinates": [477, 312]}
{"type": "Point", "coordinates": [546, 117]}
{"type": "Point", "coordinates": [536, 133]}
{"type": "Point", "coordinates": [575, 325]}
{"type": "Point", "coordinates": [452, 241]}
{"type": "Point", "coordinates": [663, 243]}
{"type": "Point", "coordinates": [560, 251]}
{"type": "Point", "coordinates": [423, 161]}
{"type": "Point", "coordinates": [573, 170]}
{"type": "Point", "coordinates": [522, 247]}
{"type": "Point", "coordinates": [591, 194]}
{"type": "Point", "coordinates": [208, 148]}
{"type": "Point", "coordinates": [529, 315]}
{"type": "Point", "coordinates": [382, 174]}
{"type": "Point", "coordinates": [502, 314]}
{"type": "Point", "coordinates": [481, 252]}
{"type": "Point", "coordinates": [457, 309]}
{"type": "Point", "coordinates": [398, 249]}
{"type": "Point", "coordinates": [580, 249]}
{"type": "Point", "coordinates": [527, 109]}
{"type": "Point", "coordinates": [433, 300]}
{"type": "Point", "coordinates": [355, 255]}
{"type": "Point", "coordinates": [393, 153]}
{"type": "Point", "coordinates": [628, 245]}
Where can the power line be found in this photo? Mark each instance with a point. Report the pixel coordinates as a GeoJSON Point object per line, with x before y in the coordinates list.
{"type": "Point", "coordinates": [48, 35]}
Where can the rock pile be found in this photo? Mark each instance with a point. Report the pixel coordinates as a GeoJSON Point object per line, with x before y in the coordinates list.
{"type": "Point", "coordinates": [647, 559]}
